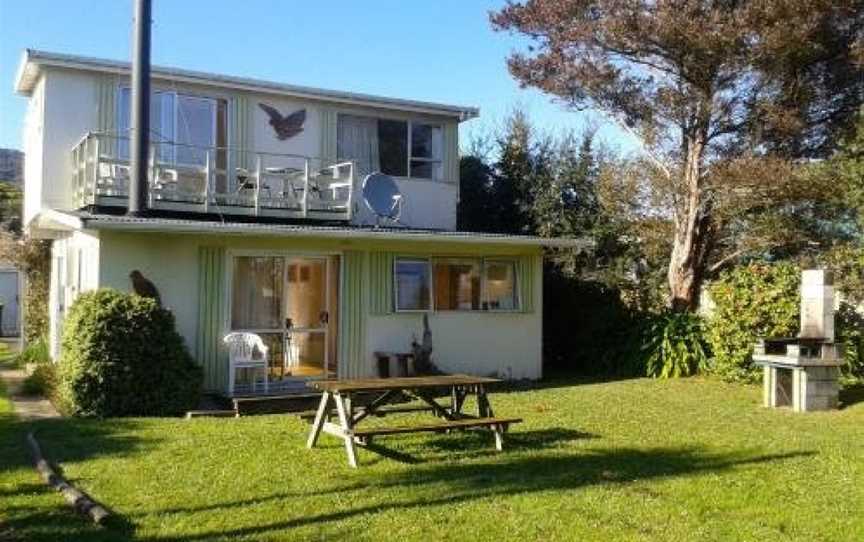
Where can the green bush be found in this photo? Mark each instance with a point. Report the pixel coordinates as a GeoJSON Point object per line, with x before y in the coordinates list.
{"type": "Point", "coordinates": [42, 381]}
{"type": "Point", "coordinates": [122, 356]}
{"type": "Point", "coordinates": [757, 300]}
{"type": "Point", "coordinates": [35, 352]}
{"type": "Point", "coordinates": [849, 331]}
{"type": "Point", "coordinates": [674, 345]}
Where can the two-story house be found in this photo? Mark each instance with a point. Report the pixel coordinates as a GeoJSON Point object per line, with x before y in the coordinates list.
{"type": "Point", "coordinates": [258, 220]}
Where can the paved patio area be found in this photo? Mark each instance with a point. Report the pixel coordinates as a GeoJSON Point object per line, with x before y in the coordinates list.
{"type": "Point", "coordinates": [26, 407]}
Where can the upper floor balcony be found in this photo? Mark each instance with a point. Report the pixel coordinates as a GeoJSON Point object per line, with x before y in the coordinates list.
{"type": "Point", "coordinates": [221, 181]}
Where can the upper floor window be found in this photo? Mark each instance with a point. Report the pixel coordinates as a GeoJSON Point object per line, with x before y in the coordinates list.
{"type": "Point", "coordinates": [182, 127]}
{"type": "Point", "coordinates": [395, 147]}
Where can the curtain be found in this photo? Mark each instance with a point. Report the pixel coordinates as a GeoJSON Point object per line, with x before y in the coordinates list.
{"type": "Point", "coordinates": [211, 303]}
{"type": "Point", "coordinates": [106, 111]}
{"type": "Point", "coordinates": [328, 136]}
{"type": "Point", "coordinates": [357, 139]}
{"type": "Point", "coordinates": [241, 132]}
{"type": "Point", "coordinates": [528, 272]}
{"type": "Point", "coordinates": [451, 152]}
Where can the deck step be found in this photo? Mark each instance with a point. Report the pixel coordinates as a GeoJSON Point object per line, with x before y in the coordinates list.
{"type": "Point", "coordinates": [441, 426]}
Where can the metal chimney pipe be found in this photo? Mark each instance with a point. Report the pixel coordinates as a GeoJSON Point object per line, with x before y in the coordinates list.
{"type": "Point", "coordinates": [140, 122]}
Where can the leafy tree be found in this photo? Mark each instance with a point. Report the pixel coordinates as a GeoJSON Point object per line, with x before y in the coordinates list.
{"type": "Point", "coordinates": [721, 94]}
{"type": "Point", "coordinates": [11, 199]}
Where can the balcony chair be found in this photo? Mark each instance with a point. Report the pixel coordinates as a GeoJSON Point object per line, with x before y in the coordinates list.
{"type": "Point", "coordinates": [242, 349]}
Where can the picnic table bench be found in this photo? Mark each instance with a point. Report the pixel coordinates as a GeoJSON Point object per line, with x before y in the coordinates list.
{"type": "Point", "coordinates": [337, 397]}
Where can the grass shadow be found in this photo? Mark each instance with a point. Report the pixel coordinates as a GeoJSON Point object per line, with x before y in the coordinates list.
{"type": "Point", "coordinates": [453, 484]}
{"type": "Point", "coordinates": [851, 395]}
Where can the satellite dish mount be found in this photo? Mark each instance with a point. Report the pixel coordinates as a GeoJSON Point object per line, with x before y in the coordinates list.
{"type": "Point", "coordinates": [382, 197]}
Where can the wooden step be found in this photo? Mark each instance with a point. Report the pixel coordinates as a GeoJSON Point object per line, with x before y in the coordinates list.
{"type": "Point", "coordinates": [441, 426]}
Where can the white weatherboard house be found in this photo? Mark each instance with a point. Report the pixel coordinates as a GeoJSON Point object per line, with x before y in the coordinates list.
{"type": "Point", "coordinates": [257, 221]}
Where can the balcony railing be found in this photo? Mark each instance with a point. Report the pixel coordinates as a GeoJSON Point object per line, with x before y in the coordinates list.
{"type": "Point", "coordinates": [215, 180]}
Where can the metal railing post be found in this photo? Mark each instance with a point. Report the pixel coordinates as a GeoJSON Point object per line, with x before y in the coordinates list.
{"type": "Point", "coordinates": [304, 202]}
{"type": "Point", "coordinates": [207, 181]}
{"type": "Point", "coordinates": [257, 182]}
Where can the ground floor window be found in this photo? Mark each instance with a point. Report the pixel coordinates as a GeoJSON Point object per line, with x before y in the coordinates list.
{"type": "Point", "coordinates": [455, 284]}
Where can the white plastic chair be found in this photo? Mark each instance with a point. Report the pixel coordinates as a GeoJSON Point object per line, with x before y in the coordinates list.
{"type": "Point", "coordinates": [242, 348]}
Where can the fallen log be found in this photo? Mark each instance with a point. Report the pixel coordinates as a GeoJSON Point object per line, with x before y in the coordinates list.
{"type": "Point", "coordinates": [79, 500]}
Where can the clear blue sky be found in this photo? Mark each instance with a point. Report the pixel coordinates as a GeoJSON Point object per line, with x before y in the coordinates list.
{"type": "Point", "coordinates": [442, 51]}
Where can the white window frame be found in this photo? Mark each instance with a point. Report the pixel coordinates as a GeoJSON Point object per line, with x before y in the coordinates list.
{"type": "Point", "coordinates": [517, 300]}
{"type": "Point", "coordinates": [413, 259]}
{"type": "Point", "coordinates": [176, 95]}
{"type": "Point", "coordinates": [411, 158]}
{"type": "Point", "coordinates": [410, 125]}
{"type": "Point", "coordinates": [482, 261]}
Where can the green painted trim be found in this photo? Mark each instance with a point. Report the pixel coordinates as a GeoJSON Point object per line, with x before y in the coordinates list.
{"type": "Point", "coordinates": [352, 322]}
{"type": "Point", "coordinates": [451, 152]}
{"type": "Point", "coordinates": [328, 135]}
{"type": "Point", "coordinates": [526, 276]}
{"type": "Point", "coordinates": [380, 283]}
{"type": "Point", "coordinates": [211, 303]}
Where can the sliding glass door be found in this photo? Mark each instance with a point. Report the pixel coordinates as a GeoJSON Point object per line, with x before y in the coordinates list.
{"type": "Point", "coordinates": [290, 302]}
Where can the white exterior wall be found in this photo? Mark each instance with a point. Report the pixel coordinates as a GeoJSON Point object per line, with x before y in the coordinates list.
{"type": "Point", "coordinates": [504, 344]}
{"type": "Point", "coordinates": [63, 108]}
{"type": "Point", "coordinates": [34, 127]}
{"type": "Point", "coordinates": [74, 270]}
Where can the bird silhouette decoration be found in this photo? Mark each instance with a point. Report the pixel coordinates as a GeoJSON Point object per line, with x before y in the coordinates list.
{"type": "Point", "coordinates": [143, 287]}
{"type": "Point", "coordinates": [285, 127]}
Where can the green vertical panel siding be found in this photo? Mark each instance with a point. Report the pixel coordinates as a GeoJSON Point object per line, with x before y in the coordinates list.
{"type": "Point", "coordinates": [451, 152]}
{"type": "Point", "coordinates": [380, 283]}
{"type": "Point", "coordinates": [241, 130]}
{"type": "Point", "coordinates": [328, 136]}
{"type": "Point", "coordinates": [352, 328]}
{"type": "Point", "coordinates": [525, 280]}
{"type": "Point", "coordinates": [211, 304]}
{"type": "Point", "coordinates": [106, 111]}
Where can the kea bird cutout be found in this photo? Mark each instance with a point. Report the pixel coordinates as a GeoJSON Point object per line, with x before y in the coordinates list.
{"type": "Point", "coordinates": [143, 287]}
{"type": "Point", "coordinates": [285, 127]}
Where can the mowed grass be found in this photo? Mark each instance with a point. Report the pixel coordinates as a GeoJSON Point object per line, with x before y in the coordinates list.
{"type": "Point", "coordinates": [691, 459]}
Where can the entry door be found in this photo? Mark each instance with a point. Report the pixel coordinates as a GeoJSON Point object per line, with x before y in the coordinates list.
{"type": "Point", "coordinates": [290, 302]}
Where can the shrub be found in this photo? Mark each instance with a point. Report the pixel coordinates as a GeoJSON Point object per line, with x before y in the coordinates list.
{"type": "Point", "coordinates": [849, 331]}
{"type": "Point", "coordinates": [586, 328]}
{"type": "Point", "coordinates": [122, 356]}
{"type": "Point", "coordinates": [674, 345]}
{"type": "Point", "coordinates": [757, 300]}
{"type": "Point", "coordinates": [42, 381]}
{"type": "Point", "coordinates": [36, 352]}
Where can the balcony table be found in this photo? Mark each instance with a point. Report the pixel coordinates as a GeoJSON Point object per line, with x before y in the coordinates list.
{"type": "Point", "coordinates": [341, 393]}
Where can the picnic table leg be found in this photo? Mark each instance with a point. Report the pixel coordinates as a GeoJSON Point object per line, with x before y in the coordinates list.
{"type": "Point", "coordinates": [483, 406]}
{"type": "Point", "coordinates": [498, 430]}
{"type": "Point", "coordinates": [320, 417]}
{"type": "Point", "coordinates": [345, 418]}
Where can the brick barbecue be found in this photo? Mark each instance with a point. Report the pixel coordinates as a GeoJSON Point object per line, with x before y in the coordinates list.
{"type": "Point", "coordinates": [802, 372]}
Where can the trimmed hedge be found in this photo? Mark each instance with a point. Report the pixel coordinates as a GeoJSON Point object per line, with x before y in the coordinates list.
{"type": "Point", "coordinates": [122, 356]}
{"type": "Point", "coordinates": [752, 301]}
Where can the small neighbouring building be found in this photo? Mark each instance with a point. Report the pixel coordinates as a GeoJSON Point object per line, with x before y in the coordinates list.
{"type": "Point", "coordinates": [257, 222]}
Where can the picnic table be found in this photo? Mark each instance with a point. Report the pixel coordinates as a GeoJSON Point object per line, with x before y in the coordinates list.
{"type": "Point", "coordinates": [338, 396]}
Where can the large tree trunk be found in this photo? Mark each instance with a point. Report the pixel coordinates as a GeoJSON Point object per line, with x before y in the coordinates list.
{"type": "Point", "coordinates": [687, 261]}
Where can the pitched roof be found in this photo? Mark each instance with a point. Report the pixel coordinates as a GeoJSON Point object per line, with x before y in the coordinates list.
{"type": "Point", "coordinates": [33, 60]}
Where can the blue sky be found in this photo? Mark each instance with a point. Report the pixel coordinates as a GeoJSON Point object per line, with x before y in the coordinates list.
{"type": "Point", "coordinates": [442, 51]}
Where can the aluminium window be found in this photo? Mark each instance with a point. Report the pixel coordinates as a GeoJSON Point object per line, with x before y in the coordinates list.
{"type": "Point", "coordinates": [402, 148]}
{"type": "Point", "coordinates": [412, 282]}
{"type": "Point", "coordinates": [455, 284]}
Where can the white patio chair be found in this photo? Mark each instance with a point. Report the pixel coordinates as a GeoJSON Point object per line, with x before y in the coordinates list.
{"type": "Point", "coordinates": [242, 348]}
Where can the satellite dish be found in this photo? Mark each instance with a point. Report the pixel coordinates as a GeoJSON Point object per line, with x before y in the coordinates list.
{"type": "Point", "coordinates": [382, 196]}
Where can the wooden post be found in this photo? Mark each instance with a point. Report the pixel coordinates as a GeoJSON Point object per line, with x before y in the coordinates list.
{"type": "Point", "coordinates": [323, 409]}
{"type": "Point", "coordinates": [347, 431]}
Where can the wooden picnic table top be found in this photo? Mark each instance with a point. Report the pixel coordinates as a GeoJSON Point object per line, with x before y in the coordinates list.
{"type": "Point", "coordinates": [399, 383]}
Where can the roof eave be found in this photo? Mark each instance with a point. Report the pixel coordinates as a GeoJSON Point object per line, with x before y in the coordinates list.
{"type": "Point", "coordinates": [32, 59]}
{"type": "Point", "coordinates": [206, 228]}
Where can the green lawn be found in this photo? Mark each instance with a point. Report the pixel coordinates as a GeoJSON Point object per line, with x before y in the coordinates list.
{"type": "Point", "coordinates": [690, 459]}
